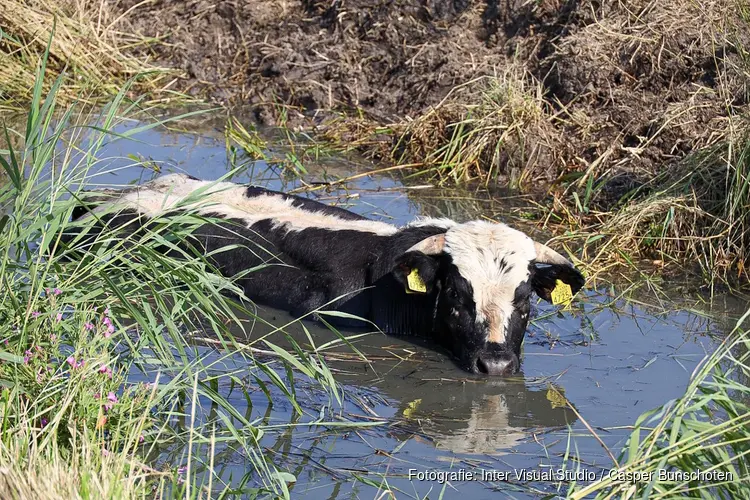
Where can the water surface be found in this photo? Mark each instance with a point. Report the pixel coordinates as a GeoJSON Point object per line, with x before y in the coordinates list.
{"type": "Point", "coordinates": [611, 358]}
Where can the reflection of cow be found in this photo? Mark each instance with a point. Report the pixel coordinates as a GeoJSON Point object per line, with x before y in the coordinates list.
{"type": "Point", "coordinates": [484, 421]}
{"type": "Point", "coordinates": [466, 286]}
{"type": "Point", "coordinates": [487, 431]}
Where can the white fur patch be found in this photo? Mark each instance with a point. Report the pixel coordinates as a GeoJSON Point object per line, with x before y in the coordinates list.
{"type": "Point", "coordinates": [477, 249]}
{"type": "Point", "coordinates": [429, 221]}
{"type": "Point", "coordinates": [229, 200]}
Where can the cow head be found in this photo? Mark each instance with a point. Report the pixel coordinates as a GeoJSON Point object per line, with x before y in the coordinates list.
{"type": "Point", "coordinates": [483, 275]}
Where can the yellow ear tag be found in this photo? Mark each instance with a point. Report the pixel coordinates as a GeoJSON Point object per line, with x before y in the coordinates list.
{"type": "Point", "coordinates": [414, 283]}
{"type": "Point", "coordinates": [562, 294]}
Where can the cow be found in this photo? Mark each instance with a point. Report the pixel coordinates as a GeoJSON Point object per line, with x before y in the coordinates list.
{"type": "Point", "coordinates": [466, 286]}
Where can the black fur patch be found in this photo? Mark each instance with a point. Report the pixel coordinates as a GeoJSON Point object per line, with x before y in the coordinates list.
{"type": "Point", "coordinates": [305, 203]}
{"type": "Point", "coordinates": [519, 318]}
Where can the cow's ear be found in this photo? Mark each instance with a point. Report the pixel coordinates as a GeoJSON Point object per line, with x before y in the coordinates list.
{"type": "Point", "coordinates": [417, 272]}
{"type": "Point", "coordinates": [544, 278]}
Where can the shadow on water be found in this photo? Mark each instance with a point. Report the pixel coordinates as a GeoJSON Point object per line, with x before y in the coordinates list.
{"type": "Point", "coordinates": [611, 359]}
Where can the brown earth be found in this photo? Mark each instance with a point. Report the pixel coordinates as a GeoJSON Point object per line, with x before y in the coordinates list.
{"type": "Point", "coordinates": [632, 83]}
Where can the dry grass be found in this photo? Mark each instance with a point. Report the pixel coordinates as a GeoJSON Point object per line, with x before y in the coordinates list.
{"type": "Point", "coordinates": [506, 131]}
{"type": "Point", "coordinates": [657, 79]}
{"type": "Point", "coordinates": [30, 470]}
{"type": "Point", "coordinates": [697, 212]}
{"type": "Point", "coordinates": [627, 87]}
{"type": "Point", "coordinates": [495, 128]}
{"type": "Point", "coordinates": [87, 45]}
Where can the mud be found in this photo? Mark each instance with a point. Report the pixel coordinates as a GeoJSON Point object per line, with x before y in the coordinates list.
{"type": "Point", "coordinates": [637, 83]}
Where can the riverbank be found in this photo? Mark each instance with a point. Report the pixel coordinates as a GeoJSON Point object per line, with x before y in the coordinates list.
{"type": "Point", "coordinates": [628, 121]}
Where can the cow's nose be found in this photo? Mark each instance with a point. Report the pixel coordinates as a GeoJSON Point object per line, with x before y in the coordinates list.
{"type": "Point", "coordinates": [496, 364]}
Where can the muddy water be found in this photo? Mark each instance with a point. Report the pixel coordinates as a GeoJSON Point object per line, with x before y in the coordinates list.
{"type": "Point", "coordinates": [611, 358]}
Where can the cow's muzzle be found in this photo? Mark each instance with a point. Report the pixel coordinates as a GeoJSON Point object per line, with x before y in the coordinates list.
{"type": "Point", "coordinates": [495, 362]}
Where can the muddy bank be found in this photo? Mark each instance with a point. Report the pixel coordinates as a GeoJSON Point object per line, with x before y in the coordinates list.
{"type": "Point", "coordinates": [635, 83]}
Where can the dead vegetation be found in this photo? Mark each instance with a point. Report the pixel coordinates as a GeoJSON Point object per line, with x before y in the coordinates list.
{"type": "Point", "coordinates": [660, 79]}
{"type": "Point", "coordinates": [497, 128]}
{"type": "Point", "coordinates": [88, 47]}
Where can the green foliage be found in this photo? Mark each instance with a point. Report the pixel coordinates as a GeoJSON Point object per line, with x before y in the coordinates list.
{"type": "Point", "coordinates": [75, 325]}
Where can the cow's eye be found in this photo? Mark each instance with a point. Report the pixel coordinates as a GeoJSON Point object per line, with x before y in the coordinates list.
{"type": "Point", "coordinates": [452, 293]}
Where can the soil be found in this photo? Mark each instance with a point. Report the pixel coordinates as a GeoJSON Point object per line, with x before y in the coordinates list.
{"type": "Point", "coordinates": [638, 83]}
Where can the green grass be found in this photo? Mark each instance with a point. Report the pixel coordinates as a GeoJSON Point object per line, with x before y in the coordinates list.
{"type": "Point", "coordinates": [73, 325]}
{"type": "Point", "coordinates": [283, 150]}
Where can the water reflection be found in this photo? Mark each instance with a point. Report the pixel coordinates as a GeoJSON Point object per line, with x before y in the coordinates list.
{"type": "Point", "coordinates": [485, 418]}
{"type": "Point", "coordinates": [426, 395]}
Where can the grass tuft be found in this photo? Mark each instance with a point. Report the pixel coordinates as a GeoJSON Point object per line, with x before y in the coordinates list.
{"type": "Point", "coordinates": [90, 47]}
{"type": "Point", "coordinates": [494, 128]}
{"type": "Point", "coordinates": [696, 211]}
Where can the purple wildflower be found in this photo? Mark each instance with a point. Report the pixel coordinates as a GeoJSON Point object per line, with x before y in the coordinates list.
{"type": "Point", "coordinates": [73, 363]}
{"type": "Point", "coordinates": [112, 398]}
{"type": "Point", "coordinates": [58, 317]}
{"type": "Point", "coordinates": [97, 395]}
{"type": "Point", "coordinates": [106, 312]}
{"type": "Point", "coordinates": [109, 332]}
{"type": "Point", "coordinates": [106, 370]}
{"type": "Point", "coordinates": [88, 326]}
{"type": "Point", "coordinates": [181, 470]}
{"type": "Point", "coordinates": [57, 291]}
{"type": "Point", "coordinates": [27, 357]}
{"type": "Point", "coordinates": [141, 438]}
{"type": "Point", "coordinates": [35, 314]}
{"type": "Point", "coordinates": [44, 422]}
{"type": "Point", "coordinates": [107, 321]}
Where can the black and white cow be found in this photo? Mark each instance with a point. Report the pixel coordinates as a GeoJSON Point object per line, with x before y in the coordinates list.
{"type": "Point", "coordinates": [466, 286]}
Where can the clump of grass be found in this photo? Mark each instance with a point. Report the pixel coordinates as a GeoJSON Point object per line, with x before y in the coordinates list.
{"type": "Point", "coordinates": [707, 430]}
{"type": "Point", "coordinates": [494, 128]}
{"type": "Point", "coordinates": [288, 151]}
{"type": "Point", "coordinates": [89, 47]}
{"type": "Point", "coordinates": [694, 211]}
{"type": "Point", "coordinates": [505, 132]}
{"type": "Point", "coordinates": [33, 469]}
{"type": "Point", "coordinates": [698, 209]}
{"type": "Point", "coordinates": [247, 139]}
